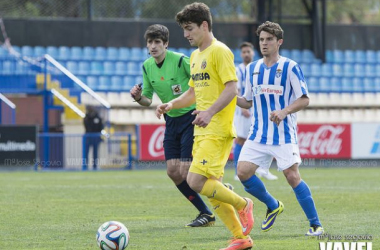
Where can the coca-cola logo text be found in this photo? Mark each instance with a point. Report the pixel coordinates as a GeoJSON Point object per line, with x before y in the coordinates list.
{"type": "Point", "coordinates": [155, 147]}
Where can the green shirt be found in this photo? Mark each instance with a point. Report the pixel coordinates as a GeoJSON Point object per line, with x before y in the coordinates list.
{"type": "Point", "coordinates": [169, 82]}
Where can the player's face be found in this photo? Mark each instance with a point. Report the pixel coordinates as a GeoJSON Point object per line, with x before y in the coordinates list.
{"type": "Point", "coordinates": [247, 54]}
{"type": "Point", "coordinates": [194, 33]}
{"type": "Point", "coordinates": [269, 45]}
{"type": "Point", "coordinates": [156, 48]}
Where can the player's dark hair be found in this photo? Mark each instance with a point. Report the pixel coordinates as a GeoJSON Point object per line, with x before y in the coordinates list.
{"type": "Point", "coordinates": [246, 44]}
{"type": "Point", "coordinates": [272, 28]}
{"type": "Point", "coordinates": [157, 31]}
{"type": "Point", "coordinates": [195, 13]}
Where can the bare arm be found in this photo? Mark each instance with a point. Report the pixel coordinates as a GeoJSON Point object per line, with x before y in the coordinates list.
{"type": "Point", "coordinates": [243, 103]}
{"type": "Point", "coordinates": [185, 100]}
{"type": "Point", "coordinates": [228, 94]}
{"type": "Point", "coordinates": [278, 115]}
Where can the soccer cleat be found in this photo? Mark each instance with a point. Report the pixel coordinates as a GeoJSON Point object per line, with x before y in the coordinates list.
{"type": "Point", "coordinates": [271, 217]}
{"type": "Point", "coordinates": [246, 217]}
{"type": "Point", "coordinates": [239, 244]}
{"type": "Point", "coordinates": [266, 175]}
{"type": "Point", "coordinates": [202, 220]}
{"type": "Point", "coordinates": [315, 230]}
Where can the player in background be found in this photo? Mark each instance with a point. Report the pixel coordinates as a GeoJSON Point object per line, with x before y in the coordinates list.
{"type": "Point", "coordinates": [242, 118]}
{"type": "Point", "coordinates": [167, 73]}
{"type": "Point", "coordinates": [277, 88]}
{"type": "Point", "coordinates": [213, 89]}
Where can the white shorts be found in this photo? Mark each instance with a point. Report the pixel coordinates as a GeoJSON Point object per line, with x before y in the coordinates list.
{"type": "Point", "coordinates": [242, 125]}
{"type": "Point", "coordinates": [262, 155]}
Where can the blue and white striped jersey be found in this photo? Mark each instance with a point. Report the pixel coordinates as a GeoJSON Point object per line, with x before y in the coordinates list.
{"type": "Point", "coordinates": [240, 73]}
{"type": "Point", "coordinates": [273, 89]}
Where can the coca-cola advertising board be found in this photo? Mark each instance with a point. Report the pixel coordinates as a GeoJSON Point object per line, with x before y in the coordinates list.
{"type": "Point", "coordinates": [151, 142]}
{"type": "Point", "coordinates": [325, 140]}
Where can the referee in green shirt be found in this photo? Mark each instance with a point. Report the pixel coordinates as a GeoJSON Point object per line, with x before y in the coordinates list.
{"type": "Point", "coordinates": [167, 73]}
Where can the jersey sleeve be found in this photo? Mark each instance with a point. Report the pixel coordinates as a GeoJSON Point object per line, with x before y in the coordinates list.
{"type": "Point", "coordinates": [224, 61]}
{"type": "Point", "coordinates": [147, 86]}
{"type": "Point", "coordinates": [239, 77]}
{"type": "Point", "coordinates": [248, 86]}
{"type": "Point", "coordinates": [297, 80]}
{"type": "Point", "coordinates": [185, 65]}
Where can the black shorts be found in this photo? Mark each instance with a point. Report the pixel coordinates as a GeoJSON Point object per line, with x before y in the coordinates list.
{"type": "Point", "coordinates": [179, 137]}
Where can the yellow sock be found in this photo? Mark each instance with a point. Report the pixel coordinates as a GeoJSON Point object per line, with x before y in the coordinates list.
{"type": "Point", "coordinates": [227, 214]}
{"type": "Point", "coordinates": [216, 190]}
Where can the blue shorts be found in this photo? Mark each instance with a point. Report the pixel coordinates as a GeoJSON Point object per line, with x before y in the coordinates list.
{"type": "Point", "coordinates": [179, 137]}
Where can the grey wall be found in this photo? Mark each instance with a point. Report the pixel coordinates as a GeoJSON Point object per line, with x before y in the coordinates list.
{"type": "Point", "coordinates": [130, 33]}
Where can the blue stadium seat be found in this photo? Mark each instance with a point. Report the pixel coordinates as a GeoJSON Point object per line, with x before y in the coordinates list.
{"type": "Point", "coordinates": [72, 67]}
{"type": "Point", "coordinates": [359, 69]}
{"type": "Point", "coordinates": [305, 67]}
{"type": "Point", "coordinates": [84, 68]}
{"type": "Point", "coordinates": [21, 68]}
{"type": "Point", "coordinates": [135, 54]}
{"type": "Point", "coordinates": [88, 53]}
{"type": "Point", "coordinates": [16, 48]}
{"type": "Point", "coordinates": [52, 51]}
{"type": "Point", "coordinates": [349, 56]}
{"type": "Point", "coordinates": [370, 70]}
{"type": "Point", "coordinates": [307, 56]}
{"type": "Point", "coordinates": [377, 84]}
{"type": "Point", "coordinates": [132, 68]}
{"type": "Point", "coordinates": [315, 69]}
{"type": "Point", "coordinates": [96, 68]}
{"type": "Point", "coordinates": [100, 53]}
{"type": "Point", "coordinates": [138, 79]}
{"type": "Point", "coordinates": [116, 83]}
{"type": "Point", "coordinates": [112, 53]}
{"type": "Point", "coordinates": [104, 83]}
{"type": "Point", "coordinates": [285, 53]}
{"type": "Point", "coordinates": [3, 53]}
{"type": "Point", "coordinates": [338, 56]}
{"type": "Point", "coordinates": [326, 70]}
{"type": "Point", "coordinates": [8, 67]}
{"type": "Point", "coordinates": [76, 53]}
{"type": "Point", "coordinates": [324, 84]}
{"type": "Point", "coordinates": [124, 54]}
{"type": "Point", "coordinates": [369, 85]}
{"type": "Point", "coordinates": [129, 82]}
{"type": "Point", "coordinates": [360, 56]}
{"type": "Point", "coordinates": [27, 51]}
{"type": "Point", "coordinates": [120, 68]}
{"type": "Point", "coordinates": [347, 84]}
{"type": "Point", "coordinates": [336, 84]}
{"type": "Point", "coordinates": [378, 56]}
{"type": "Point", "coordinates": [296, 55]}
{"type": "Point", "coordinates": [357, 84]}
{"type": "Point", "coordinates": [312, 84]}
{"type": "Point", "coordinates": [64, 53]}
{"type": "Point", "coordinates": [371, 56]}
{"type": "Point", "coordinates": [186, 52]}
{"type": "Point", "coordinates": [377, 70]}
{"type": "Point", "coordinates": [39, 51]}
{"type": "Point", "coordinates": [109, 68]}
{"type": "Point", "coordinates": [348, 70]}
{"type": "Point", "coordinates": [337, 69]}
{"type": "Point", "coordinates": [329, 56]}
{"type": "Point", "coordinates": [92, 82]}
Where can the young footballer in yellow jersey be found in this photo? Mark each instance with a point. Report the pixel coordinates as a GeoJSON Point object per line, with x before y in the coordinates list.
{"type": "Point", "coordinates": [213, 89]}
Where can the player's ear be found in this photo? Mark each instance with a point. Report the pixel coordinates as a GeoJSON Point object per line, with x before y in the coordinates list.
{"type": "Point", "coordinates": [280, 41]}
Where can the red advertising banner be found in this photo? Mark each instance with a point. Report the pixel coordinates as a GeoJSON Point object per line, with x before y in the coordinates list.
{"type": "Point", "coordinates": [151, 142]}
{"type": "Point", "coordinates": [324, 140]}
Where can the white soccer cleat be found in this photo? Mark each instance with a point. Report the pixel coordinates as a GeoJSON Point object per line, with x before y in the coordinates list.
{"type": "Point", "coordinates": [267, 175]}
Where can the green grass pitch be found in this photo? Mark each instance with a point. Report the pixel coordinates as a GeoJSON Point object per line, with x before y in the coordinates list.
{"type": "Point", "coordinates": [63, 210]}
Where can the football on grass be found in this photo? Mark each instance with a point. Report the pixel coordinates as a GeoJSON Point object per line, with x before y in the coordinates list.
{"type": "Point", "coordinates": [112, 235]}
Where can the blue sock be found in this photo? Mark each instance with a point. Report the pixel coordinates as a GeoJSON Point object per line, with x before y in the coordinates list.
{"type": "Point", "coordinates": [256, 187]}
{"type": "Point", "coordinates": [304, 198]}
{"type": "Point", "coordinates": [237, 151]}
{"type": "Point", "coordinates": [193, 197]}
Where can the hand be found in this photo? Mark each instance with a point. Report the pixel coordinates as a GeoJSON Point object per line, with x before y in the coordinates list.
{"type": "Point", "coordinates": [246, 113]}
{"type": "Point", "coordinates": [202, 119]}
{"type": "Point", "coordinates": [163, 108]}
{"type": "Point", "coordinates": [277, 116]}
{"type": "Point", "coordinates": [136, 91]}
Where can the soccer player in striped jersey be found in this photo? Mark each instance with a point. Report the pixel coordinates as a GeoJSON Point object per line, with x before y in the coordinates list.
{"type": "Point", "coordinates": [213, 90]}
{"type": "Point", "coordinates": [277, 88]}
{"type": "Point", "coordinates": [242, 119]}
{"type": "Point", "coordinates": [167, 73]}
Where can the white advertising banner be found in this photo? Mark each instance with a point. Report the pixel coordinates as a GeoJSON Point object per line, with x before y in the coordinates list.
{"type": "Point", "coordinates": [365, 140]}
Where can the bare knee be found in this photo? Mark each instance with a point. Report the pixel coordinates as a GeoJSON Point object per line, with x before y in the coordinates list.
{"type": "Point", "coordinates": [173, 171]}
{"type": "Point", "coordinates": [245, 170]}
{"type": "Point", "coordinates": [184, 169]}
{"type": "Point", "coordinates": [293, 176]}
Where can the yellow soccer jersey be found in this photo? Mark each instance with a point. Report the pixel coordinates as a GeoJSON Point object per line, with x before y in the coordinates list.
{"type": "Point", "coordinates": [210, 70]}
